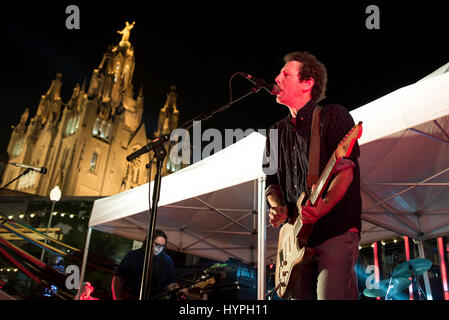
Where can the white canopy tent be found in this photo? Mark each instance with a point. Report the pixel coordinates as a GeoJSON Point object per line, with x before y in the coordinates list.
{"type": "Point", "coordinates": [207, 209]}
{"type": "Point", "coordinates": [404, 162]}
{"type": "Point", "coordinates": [211, 208]}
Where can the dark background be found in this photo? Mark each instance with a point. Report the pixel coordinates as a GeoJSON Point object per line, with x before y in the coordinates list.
{"type": "Point", "coordinates": [199, 46]}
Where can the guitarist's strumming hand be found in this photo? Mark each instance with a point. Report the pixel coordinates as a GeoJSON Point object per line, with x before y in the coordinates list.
{"type": "Point", "coordinates": [310, 214]}
{"type": "Point", "coordinates": [278, 215]}
{"type": "Point", "coordinates": [338, 187]}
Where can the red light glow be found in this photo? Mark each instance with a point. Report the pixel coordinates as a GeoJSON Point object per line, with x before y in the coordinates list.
{"type": "Point", "coordinates": [407, 257]}
{"type": "Point", "coordinates": [443, 268]}
{"type": "Point", "coordinates": [376, 264]}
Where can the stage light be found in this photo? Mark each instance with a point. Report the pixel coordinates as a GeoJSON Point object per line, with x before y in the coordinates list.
{"type": "Point", "coordinates": [10, 217]}
{"type": "Point", "coordinates": [62, 214]}
{"type": "Point", "coordinates": [21, 216]}
{"type": "Point", "coordinates": [71, 216]}
{"type": "Point", "coordinates": [32, 215]}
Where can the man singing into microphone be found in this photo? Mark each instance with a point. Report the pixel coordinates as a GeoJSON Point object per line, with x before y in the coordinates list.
{"type": "Point", "coordinates": [336, 218]}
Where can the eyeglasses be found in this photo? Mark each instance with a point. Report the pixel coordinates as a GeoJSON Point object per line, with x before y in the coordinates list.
{"type": "Point", "coordinates": [157, 245]}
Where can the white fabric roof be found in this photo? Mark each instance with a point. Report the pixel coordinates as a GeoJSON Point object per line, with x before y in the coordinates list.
{"type": "Point", "coordinates": [404, 161]}
{"type": "Point", "coordinates": [207, 207]}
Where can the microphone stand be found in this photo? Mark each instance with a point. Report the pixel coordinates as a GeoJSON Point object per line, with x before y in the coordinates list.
{"type": "Point", "coordinates": [161, 153]}
{"type": "Point", "coordinates": [22, 174]}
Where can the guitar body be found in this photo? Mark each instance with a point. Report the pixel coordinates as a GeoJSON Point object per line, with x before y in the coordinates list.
{"type": "Point", "coordinates": [292, 253]}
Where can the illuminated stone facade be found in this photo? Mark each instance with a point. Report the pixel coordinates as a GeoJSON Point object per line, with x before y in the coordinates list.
{"type": "Point", "coordinates": [84, 143]}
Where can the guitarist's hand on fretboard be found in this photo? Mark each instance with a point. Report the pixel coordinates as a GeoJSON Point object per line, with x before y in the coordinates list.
{"type": "Point", "coordinates": [278, 215]}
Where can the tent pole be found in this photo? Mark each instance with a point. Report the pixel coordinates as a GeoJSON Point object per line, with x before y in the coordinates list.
{"type": "Point", "coordinates": [83, 266]}
{"type": "Point", "coordinates": [425, 274]}
{"type": "Point", "coordinates": [261, 241]}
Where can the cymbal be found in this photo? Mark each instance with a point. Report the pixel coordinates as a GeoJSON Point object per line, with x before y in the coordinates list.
{"type": "Point", "coordinates": [380, 288]}
{"type": "Point", "coordinates": [419, 266]}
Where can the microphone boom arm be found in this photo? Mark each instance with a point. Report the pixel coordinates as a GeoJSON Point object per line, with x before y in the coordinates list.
{"type": "Point", "coordinates": [18, 177]}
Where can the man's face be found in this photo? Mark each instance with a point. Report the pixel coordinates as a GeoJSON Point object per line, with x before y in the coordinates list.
{"type": "Point", "coordinates": [288, 82]}
{"type": "Point", "coordinates": [158, 245]}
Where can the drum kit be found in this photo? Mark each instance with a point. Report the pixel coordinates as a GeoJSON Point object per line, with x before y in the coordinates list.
{"type": "Point", "coordinates": [403, 275]}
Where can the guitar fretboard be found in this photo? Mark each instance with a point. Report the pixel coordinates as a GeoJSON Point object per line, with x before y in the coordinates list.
{"type": "Point", "coordinates": [322, 181]}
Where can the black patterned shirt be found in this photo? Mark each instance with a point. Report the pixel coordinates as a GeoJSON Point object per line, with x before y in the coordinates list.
{"type": "Point", "coordinates": [292, 161]}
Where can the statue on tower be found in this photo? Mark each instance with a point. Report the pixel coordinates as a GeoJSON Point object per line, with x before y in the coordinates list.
{"type": "Point", "coordinates": [125, 34]}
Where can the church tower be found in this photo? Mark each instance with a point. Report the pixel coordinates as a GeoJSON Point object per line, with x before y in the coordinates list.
{"type": "Point", "coordinates": [84, 142]}
{"type": "Point", "coordinates": [167, 122]}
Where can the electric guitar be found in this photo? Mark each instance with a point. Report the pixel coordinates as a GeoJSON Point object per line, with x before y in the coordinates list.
{"type": "Point", "coordinates": [173, 294]}
{"type": "Point", "coordinates": [293, 236]}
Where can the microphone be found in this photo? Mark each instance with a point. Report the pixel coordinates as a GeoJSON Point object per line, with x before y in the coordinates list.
{"type": "Point", "coordinates": [260, 83]}
{"type": "Point", "coordinates": [41, 170]}
{"type": "Point", "coordinates": [153, 145]}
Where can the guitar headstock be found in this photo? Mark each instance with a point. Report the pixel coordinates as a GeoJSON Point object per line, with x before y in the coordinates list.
{"type": "Point", "coordinates": [345, 146]}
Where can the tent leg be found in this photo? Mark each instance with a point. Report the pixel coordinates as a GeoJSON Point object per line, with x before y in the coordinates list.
{"type": "Point", "coordinates": [261, 241]}
{"type": "Point", "coordinates": [425, 274]}
{"type": "Point", "coordinates": [83, 267]}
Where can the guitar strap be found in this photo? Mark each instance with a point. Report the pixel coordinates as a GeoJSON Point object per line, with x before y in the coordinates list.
{"type": "Point", "coordinates": [314, 149]}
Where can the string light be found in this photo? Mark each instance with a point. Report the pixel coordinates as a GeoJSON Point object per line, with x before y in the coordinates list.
{"type": "Point", "coordinates": [9, 269]}
{"type": "Point", "coordinates": [55, 213]}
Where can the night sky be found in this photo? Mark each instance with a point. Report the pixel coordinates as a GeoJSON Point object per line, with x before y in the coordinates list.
{"type": "Point", "coordinates": [198, 47]}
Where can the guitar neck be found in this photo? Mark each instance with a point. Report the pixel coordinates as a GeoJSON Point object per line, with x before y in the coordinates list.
{"type": "Point", "coordinates": [322, 182]}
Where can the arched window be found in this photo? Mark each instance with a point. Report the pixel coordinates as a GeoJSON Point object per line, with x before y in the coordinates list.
{"type": "Point", "coordinates": [117, 71]}
{"type": "Point", "coordinates": [93, 162]}
{"type": "Point", "coordinates": [102, 129]}
{"type": "Point", "coordinates": [27, 181]}
{"type": "Point", "coordinates": [18, 147]}
{"type": "Point", "coordinates": [72, 125]}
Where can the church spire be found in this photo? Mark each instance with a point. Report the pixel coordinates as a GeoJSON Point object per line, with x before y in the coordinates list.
{"type": "Point", "coordinates": [169, 114]}
{"type": "Point", "coordinates": [54, 92]}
